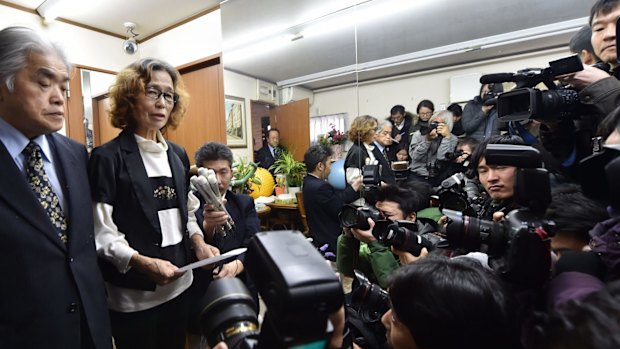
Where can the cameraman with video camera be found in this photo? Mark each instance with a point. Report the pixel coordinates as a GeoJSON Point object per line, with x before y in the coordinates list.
{"type": "Point", "coordinates": [374, 259]}
{"type": "Point", "coordinates": [479, 117]}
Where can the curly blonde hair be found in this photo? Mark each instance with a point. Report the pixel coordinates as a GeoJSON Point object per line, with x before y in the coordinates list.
{"type": "Point", "coordinates": [131, 82]}
{"type": "Point", "coordinates": [361, 128]}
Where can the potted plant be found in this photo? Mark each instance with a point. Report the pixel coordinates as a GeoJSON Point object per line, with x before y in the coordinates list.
{"type": "Point", "coordinates": [244, 176]}
{"type": "Point", "coordinates": [293, 170]}
{"type": "Point", "coordinates": [334, 139]}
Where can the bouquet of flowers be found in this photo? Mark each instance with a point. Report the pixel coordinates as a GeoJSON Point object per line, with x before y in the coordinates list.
{"type": "Point", "coordinates": [333, 137]}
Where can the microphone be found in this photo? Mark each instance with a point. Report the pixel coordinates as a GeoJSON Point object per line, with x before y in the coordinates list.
{"type": "Point", "coordinates": [496, 78]}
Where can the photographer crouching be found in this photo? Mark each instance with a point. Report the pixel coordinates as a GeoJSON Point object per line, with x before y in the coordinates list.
{"type": "Point", "coordinates": [373, 258]}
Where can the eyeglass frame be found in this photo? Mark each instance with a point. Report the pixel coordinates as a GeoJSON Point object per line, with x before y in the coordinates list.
{"type": "Point", "coordinates": [175, 97]}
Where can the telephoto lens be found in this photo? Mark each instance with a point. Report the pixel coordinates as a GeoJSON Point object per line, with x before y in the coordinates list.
{"type": "Point", "coordinates": [370, 300]}
{"type": "Point", "coordinates": [229, 315]}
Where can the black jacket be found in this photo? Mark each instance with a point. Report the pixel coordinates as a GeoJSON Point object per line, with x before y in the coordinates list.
{"type": "Point", "coordinates": [323, 203]}
{"type": "Point", "coordinates": [264, 157]}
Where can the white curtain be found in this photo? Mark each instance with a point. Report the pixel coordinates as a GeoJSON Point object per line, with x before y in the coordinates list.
{"type": "Point", "coordinates": [321, 124]}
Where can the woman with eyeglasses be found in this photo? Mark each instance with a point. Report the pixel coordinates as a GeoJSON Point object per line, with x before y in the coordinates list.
{"type": "Point", "coordinates": [144, 214]}
{"type": "Point", "coordinates": [425, 110]}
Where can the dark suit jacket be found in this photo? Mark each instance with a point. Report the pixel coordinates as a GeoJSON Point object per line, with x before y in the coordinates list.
{"type": "Point", "coordinates": [264, 157]}
{"type": "Point", "coordinates": [387, 175]}
{"type": "Point", "coordinates": [356, 156]}
{"type": "Point", "coordinates": [46, 285]}
{"type": "Point", "coordinates": [247, 224]}
{"type": "Point", "coordinates": [323, 203]}
{"type": "Point", "coordinates": [118, 177]}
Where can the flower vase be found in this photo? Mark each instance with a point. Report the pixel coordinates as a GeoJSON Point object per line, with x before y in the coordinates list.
{"type": "Point", "coordinates": [337, 149]}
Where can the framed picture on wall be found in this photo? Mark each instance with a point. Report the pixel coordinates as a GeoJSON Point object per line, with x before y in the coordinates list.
{"type": "Point", "coordinates": [236, 135]}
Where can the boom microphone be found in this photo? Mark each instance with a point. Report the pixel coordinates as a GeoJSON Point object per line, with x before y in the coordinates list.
{"type": "Point", "coordinates": [496, 78]}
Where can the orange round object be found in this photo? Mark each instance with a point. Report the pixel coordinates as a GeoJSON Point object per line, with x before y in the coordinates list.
{"type": "Point", "coordinates": [266, 186]}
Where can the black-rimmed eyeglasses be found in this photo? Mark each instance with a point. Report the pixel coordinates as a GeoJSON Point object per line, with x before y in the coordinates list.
{"type": "Point", "coordinates": [155, 94]}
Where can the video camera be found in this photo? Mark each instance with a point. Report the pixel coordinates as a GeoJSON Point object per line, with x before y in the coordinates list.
{"type": "Point", "coordinates": [527, 102]}
{"type": "Point", "coordinates": [352, 216]}
{"type": "Point", "coordinates": [459, 193]}
{"type": "Point", "coordinates": [518, 247]}
{"type": "Point", "coordinates": [297, 285]}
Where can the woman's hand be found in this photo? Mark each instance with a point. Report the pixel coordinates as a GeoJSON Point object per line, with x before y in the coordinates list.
{"type": "Point", "coordinates": [161, 271]}
{"type": "Point", "coordinates": [203, 250]}
{"type": "Point", "coordinates": [228, 270]}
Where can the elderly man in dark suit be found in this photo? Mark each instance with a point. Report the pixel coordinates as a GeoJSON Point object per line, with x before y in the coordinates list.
{"type": "Point", "coordinates": [381, 151]}
{"type": "Point", "coordinates": [268, 154]}
{"type": "Point", "coordinates": [52, 295]}
{"type": "Point", "coordinates": [322, 201]}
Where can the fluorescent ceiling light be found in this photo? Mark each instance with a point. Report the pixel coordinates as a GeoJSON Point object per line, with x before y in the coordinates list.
{"type": "Point", "coordinates": [443, 51]}
{"type": "Point", "coordinates": [49, 10]}
{"type": "Point", "coordinates": [319, 22]}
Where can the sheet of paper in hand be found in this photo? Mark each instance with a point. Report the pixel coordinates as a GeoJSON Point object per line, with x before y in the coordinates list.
{"type": "Point", "coordinates": [213, 261]}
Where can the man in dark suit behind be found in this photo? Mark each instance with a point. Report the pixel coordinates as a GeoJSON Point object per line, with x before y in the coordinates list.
{"type": "Point", "coordinates": [268, 154]}
{"type": "Point", "coordinates": [322, 201]}
{"type": "Point", "coordinates": [52, 295]}
{"type": "Point", "coordinates": [381, 151]}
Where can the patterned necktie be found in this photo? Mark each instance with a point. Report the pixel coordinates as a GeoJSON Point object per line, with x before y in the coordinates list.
{"type": "Point", "coordinates": [385, 155]}
{"type": "Point", "coordinates": [40, 184]}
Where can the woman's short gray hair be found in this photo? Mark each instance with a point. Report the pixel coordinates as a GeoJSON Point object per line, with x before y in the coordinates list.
{"type": "Point", "coordinates": [447, 116]}
{"type": "Point", "coordinates": [16, 43]}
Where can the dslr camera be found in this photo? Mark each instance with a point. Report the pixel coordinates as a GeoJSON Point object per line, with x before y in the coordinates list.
{"type": "Point", "coordinates": [527, 102]}
{"type": "Point", "coordinates": [519, 246]}
{"type": "Point", "coordinates": [404, 235]}
{"type": "Point", "coordinates": [298, 287]}
{"type": "Point", "coordinates": [352, 216]}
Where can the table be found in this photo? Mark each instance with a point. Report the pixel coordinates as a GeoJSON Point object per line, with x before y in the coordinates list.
{"type": "Point", "coordinates": [284, 216]}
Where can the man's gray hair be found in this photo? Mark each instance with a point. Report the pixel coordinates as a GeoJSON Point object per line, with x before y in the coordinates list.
{"type": "Point", "coordinates": [447, 116]}
{"type": "Point", "coordinates": [382, 124]}
{"type": "Point", "coordinates": [16, 43]}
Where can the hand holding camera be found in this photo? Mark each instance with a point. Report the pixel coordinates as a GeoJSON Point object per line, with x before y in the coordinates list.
{"type": "Point", "coordinates": [364, 235]}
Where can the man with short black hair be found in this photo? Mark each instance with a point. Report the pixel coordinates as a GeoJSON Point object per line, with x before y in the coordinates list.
{"type": "Point", "coordinates": [401, 124]}
{"type": "Point", "coordinates": [322, 201]}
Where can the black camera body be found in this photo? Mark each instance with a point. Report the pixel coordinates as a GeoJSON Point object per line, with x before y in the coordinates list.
{"type": "Point", "coordinates": [519, 246]}
{"type": "Point", "coordinates": [404, 235]}
{"type": "Point", "coordinates": [459, 193]}
{"type": "Point", "coordinates": [527, 102]}
{"type": "Point", "coordinates": [299, 288]}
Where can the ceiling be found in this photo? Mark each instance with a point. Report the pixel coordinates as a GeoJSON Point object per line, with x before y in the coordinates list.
{"type": "Point", "coordinates": [150, 16]}
{"type": "Point", "coordinates": [323, 43]}
{"type": "Point", "coordinates": [376, 39]}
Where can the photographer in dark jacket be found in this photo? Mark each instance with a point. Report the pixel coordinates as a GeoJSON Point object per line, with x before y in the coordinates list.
{"type": "Point", "coordinates": [479, 118]}
{"type": "Point", "coordinates": [401, 124]}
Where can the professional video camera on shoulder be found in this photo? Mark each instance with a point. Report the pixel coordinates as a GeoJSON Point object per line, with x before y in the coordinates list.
{"type": "Point", "coordinates": [298, 287]}
{"type": "Point", "coordinates": [459, 193]}
{"type": "Point", "coordinates": [527, 102]}
{"type": "Point", "coordinates": [518, 246]}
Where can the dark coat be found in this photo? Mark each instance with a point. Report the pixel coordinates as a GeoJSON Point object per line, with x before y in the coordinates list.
{"type": "Point", "coordinates": [118, 177]}
{"type": "Point", "coordinates": [323, 203]}
{"type": "Point", "coordinates": [49, 288]}
{"type": "Point", "coordinates": [356, 156]}
{"type": "Point", "coordinates": [264, 157]}
{"type": "Point", "coordinates": [387, 175]}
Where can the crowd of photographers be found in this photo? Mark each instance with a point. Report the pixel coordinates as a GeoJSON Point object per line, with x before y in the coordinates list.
{"type": "Point", "coordinates": [524, 251]}
{"type": "Point", "coordinates": [495, 226]}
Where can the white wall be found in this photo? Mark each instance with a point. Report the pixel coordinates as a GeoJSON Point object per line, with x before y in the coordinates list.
{"type": "Point", "coordinates": [242, 86]}
{"type": "Point", "coordinates": [377, 98]}
{"type": "Point", "coordinates": [83, 46]}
